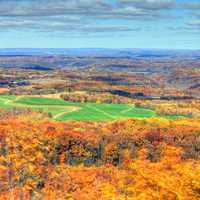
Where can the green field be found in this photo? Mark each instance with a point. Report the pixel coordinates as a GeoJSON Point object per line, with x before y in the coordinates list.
{"type": "Point", "coordinates": [63, 111]}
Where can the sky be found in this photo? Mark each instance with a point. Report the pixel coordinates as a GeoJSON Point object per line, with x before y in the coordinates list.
{"type": "Point", "coordinates": [166, 24]}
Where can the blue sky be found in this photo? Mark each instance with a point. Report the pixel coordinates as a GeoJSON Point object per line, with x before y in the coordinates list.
{"type": "Point", "coordinates": [172, 24]}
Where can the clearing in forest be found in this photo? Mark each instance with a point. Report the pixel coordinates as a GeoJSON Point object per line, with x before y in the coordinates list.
{"type": "Point", "coordinates": [62, 110]}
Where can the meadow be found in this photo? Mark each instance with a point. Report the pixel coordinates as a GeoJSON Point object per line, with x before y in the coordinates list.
{"type": "Point", "coordinates": [63, 111]}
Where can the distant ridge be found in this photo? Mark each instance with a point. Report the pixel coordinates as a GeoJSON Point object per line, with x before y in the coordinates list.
{"type": "Point", "coordinates": [99, 52]}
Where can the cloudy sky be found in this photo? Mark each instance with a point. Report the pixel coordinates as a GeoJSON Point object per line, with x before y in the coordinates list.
{"type": "Point", "coordinates": [100, 23]}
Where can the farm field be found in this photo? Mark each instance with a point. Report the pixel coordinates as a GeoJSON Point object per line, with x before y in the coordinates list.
{"type": "Point", "coordinates": [64, 111]}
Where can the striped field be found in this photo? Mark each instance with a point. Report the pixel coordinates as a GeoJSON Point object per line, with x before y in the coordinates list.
{"type": "Point", "coordinates": [63, 111]}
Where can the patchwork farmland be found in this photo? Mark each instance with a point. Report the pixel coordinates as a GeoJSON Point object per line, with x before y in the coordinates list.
{"type": "Point", "coordinates": [63, 111]}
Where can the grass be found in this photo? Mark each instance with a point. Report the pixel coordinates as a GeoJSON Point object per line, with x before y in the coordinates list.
{"type": "Point", "coordinates": [63, 111]}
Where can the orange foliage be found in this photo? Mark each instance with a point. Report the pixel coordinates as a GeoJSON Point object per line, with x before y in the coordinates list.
{"type": "Point", "coordinates": [123, 160]}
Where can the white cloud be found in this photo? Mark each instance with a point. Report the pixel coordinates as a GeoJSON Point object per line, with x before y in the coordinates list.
{"type": "Point", "coordinates": [151, 4]}
{"type": "Point", "coordinates": [78, 15]}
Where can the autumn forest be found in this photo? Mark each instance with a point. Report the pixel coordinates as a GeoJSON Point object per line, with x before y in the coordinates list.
{"type": "Point", "coordinates": [100, 128]}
